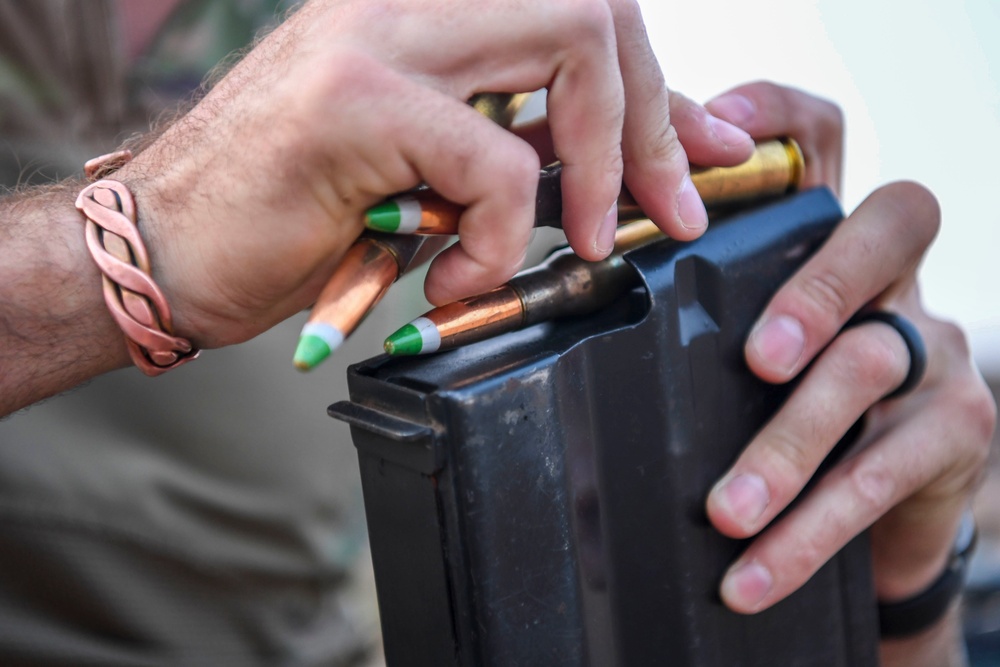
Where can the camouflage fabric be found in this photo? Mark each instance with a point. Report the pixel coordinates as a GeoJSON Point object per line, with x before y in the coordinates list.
{"type": "Point", "coordinates": [67, 92]}
{"type": "Point", "coordinates": [208, 517]}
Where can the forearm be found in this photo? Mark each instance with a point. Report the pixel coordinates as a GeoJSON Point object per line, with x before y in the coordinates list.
{"type": "Point", "coordinates": [941, 645]}
{"type": "Point", "coordinates": [55, 330]}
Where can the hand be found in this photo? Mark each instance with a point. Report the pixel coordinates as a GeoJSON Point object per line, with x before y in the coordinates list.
{"type": "Point", "coordinates": [249, 201]}
{"type": "Point", "coordinates": [767, 110]}
{"type": "Point", "coordinates": [920, 456]}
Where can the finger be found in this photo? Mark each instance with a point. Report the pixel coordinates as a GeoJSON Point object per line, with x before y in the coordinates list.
{"type": "Point", "coordinates": [471, 161]}
{"type": "Point", "coordinates": [880, 244]}
{"type": "Point", "coordinates": [429, 248]}
{"type": "Point", "coordinates": [657, 173]}
{"type": "Point", "coordinates": [566, 46]}
{"type": "Point", "coordinates": [467, 159]}
{"type": "Point", "coordinates": [851, 497]}
{"type": "Point", "coordinates": [589, 101]}
{"type": "Point", "coordinates": [861, 366]}
{"type": "Point", "coordinates": [570, 49]}
{"type": "Point", "coordinates": [707, 140]}
{"type": "Point", "coordinates": [586, 106]}
{"type": "Point", "coordinates": [767, 110]}
{"type": "Point", "coordinates": [537, 135]}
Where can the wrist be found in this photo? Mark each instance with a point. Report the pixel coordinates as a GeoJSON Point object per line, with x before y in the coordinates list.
{"type": "Point", "coordinates": [922, 609]}
{"type": "Point", "coordinates": [177, 219]}
{"type": "Point", "coordinates": [159, 226]}
{"type": "Point", "coordinates": [134, 299]}
{"type": "Point", "coordinates": [165, 194]}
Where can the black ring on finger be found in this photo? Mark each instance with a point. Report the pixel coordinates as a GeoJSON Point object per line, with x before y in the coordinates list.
{"type": "Point", "coordinates": [914, 344]}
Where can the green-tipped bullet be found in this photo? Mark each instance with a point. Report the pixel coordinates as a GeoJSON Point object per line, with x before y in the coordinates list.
{"type": "Point", "coordinates": [317, 342]}
{"type": "Point", "coordinates": [384, 217]}
{"type": "Point", "coordinates": [563, 285]}
{"type": "Point", "coordinates": [375, 261]}
{"type": "Point", "coordinates": [420, 336]}
{"type": "Point", "coordinates": [421, 213]}
{"type": "Point", "coordinates": [410, 214]}
{"type": "Point", "coordinates": [776, 167]}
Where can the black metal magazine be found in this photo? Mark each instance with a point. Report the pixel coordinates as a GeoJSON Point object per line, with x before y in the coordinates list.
{"type": "Point", "coordinates": [538, 498]}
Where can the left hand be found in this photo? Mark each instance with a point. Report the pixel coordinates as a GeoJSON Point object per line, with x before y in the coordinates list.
{"type": "Point", "coordinates": [920, 456]}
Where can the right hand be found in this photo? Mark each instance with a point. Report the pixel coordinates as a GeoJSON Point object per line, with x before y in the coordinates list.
{"type": "Point", "coordinates": [249, 201]}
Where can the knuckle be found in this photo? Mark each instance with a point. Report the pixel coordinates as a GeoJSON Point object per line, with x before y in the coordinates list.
{"type": "Point", "coordinates": [972, 413]}
{"type": "Point", "coordinates": [790, 458]}
{"type": "Point", "coordinates": [873, 361]}
{"type": "Point", "coordinates": [348, 69]}
{"type": "Point", "coordinates": [589, 21]}
{"type": "Point", "coordinates": [626, 10]}
{"type": "Point", "coordinates": [661, 144]}
{"type": "Point", "coordinates": [829, 117]}
{"type": "Point", "coordinates": [985, 410]}
{"type": "Point", "coordinates": [627, 16]}
{"type": "Point", "coordinates": [975, 402]}
{"type": "Point", "coordinates": [827, 295]}
{"type": "Point", "coordinates": [521, 169]}
{"type": "Point", "coordinates": [809, 554]}
{"type": "Point", "coordinates": [953, 339]}
{"type": "Point", "coordinates": [765, 87]}
{"type": "Point", "coordinates": [872, 485]}
{"type": "Point", "coordinates": [833, 117]}
{"type": "Point", "coordinates": [683, 109]}
{"type": "Point", "coordinates": [980, 413]}
{"type": "Point", "coordinates": [917, 212]}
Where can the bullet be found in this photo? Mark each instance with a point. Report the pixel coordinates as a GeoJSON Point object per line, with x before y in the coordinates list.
{"type": "Point", "coordinates": [424, 211]}
{"type": "Point", "coordinates": [563, 285]}
{"type": "Point", "coordinates": [418, 213]}
{"type": "Point", "coordinates": [501, 108]}
{"type": "Point", "coordinates": [372, 264]}
{"type": "Point", "coordinates": [775, 168]}
{"type": "Point", "coordinates": [367, 270]}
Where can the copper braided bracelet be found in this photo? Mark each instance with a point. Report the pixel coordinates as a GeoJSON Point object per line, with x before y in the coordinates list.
{"type": "Point", "coordinates": [135, 301]}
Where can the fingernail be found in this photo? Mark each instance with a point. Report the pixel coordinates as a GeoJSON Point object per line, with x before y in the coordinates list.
{"type": "Point", "coordinates": [690, 207]}
{"type": "Point", "coordinates": [779, 342]}
{"type": "Point", "coordinates": [746, 586]}
{"type": "Point", "coordinates": [744, 498]}
{"type": "Point", "coordinates": [734, 108]}
{"type": "Point", "coordinates": [727, 133]}
{"type": "Point", "coordinates": [605, 242]}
